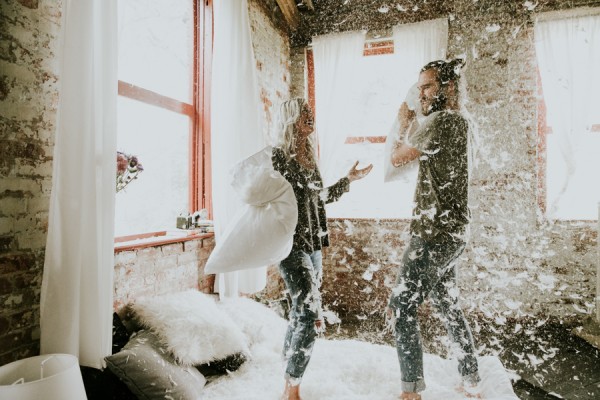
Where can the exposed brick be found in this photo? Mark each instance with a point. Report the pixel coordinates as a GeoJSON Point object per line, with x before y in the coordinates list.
{"type": "Point", "coordinates": [6, 286]}
{"type": "Point", "coordinates": [32, 240]}
{"type": "Point", "coordinates": [166, 263]}
{"type": "Point", "coordinates": [13, 206]}
{"type": "Point", "coordinates": [7, 243]}
{"type": "Point", "coordinates": [172, 249]}
{"type": "Point", "coordinates": [6, 226]}
{"type": "Point", "coordinates": [188, 256]}
{"type": "Point", "coordinates": [149, 253]}
{"type": "Point", "coordinates": [33, 4]}
{"type": "Point", "coordinates": [192, 245]}
{"type": "Point", "coordinates": [208, 243]}
{"type": "Point", "coordinates": [125, 257]}
{"type": "Point", "coordinates": [18, 187]}
{"type": "Point", "coordinates": [4, 87]}
{"type": "Point", "coordinates": [16, 262]}
{"type": "Point", "coordinates": [4, 325]}
{"type": "Point", "coordinates": [154, 271]}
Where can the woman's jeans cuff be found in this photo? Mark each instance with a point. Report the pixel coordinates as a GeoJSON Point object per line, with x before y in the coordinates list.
{"type": "Point", "coordinates": [292, 380]}
{"type": "Point", "coordinates": [413, 387]}
{"type": "Point", "coordinates": [471, 379]}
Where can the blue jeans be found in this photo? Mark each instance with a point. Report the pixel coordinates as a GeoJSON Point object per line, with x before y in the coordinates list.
{"type": "Point", "coordinates": [302, 273]}
{"type": "Point", "coordinates": [428, 269]}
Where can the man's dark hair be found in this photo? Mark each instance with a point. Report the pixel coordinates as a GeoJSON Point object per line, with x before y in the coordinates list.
{"type": "Point", "coordinates": [446, 70]}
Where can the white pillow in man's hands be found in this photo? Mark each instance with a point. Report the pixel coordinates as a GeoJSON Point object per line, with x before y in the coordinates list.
{"type": "Point", "coordinates": [391, 173]}
{"type": "Point", "coordinates": [261, 233]}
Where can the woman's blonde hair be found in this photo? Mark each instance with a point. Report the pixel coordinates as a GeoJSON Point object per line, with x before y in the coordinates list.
{"type": "Point", "coordinates": [289, 114]}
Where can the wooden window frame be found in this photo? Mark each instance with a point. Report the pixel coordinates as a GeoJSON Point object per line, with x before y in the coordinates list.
{"type": "Point", "coordinates": [543, 131]}
{"type": "Point", "coordinates": [200, 185]}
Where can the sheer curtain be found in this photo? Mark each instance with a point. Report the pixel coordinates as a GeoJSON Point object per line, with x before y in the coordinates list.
{"type": "Point", "coordinates": [417, 44]}
{"type": "Point", "coordinates": [77, 285]}
{"type": "Point", "coordinates": [568, 59]}
{"type": "Point", "coordinates": [237, 127]}
{"type": "Point", "coordinates": [336, 56]}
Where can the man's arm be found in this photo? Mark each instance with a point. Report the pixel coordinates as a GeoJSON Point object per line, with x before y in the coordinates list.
{"type": "Point", "coordinates": [402, 153]}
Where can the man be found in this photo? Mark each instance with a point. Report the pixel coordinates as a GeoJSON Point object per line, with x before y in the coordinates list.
{"type": "Point", "coordinates": [440, 218]}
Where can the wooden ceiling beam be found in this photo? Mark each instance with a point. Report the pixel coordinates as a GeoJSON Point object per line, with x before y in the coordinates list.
{"type": "Point", "coordinates": [290, 12]}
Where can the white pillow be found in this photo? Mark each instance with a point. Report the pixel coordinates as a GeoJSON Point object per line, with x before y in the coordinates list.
{"type": "Point", "coordinates": [191, 326]}
{"type": "Point", "coordinates": [256, 181]}
{"type": "Point", "coordinates": [391, 173]}
{"type": "Point", "coordinates": [262, 232]}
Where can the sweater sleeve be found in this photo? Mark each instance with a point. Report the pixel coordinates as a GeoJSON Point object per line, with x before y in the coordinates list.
{"type": "Point", "coordinates": [335, 191]}
{"type": "Point", "coordinates": [279, 162]}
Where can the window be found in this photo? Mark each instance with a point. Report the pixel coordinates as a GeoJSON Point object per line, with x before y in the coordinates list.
{"type": "Point", "coordinates": [377, 95]}
{"type": "Point", "coordinates": [164, 59]}
{"type": "Point", "coordinates": [373, 93]}
{"type": "Point", "coordinates": [569, 117]}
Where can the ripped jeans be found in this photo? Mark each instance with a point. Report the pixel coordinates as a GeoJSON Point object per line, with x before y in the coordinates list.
{"type": "Point", "coordinates": [428, 269]}
{"type": "Point", "coordinates": [302, 273]}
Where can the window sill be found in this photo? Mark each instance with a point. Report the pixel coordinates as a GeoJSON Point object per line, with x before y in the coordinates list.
{"type": "Point", "coordinates": [136, 242]}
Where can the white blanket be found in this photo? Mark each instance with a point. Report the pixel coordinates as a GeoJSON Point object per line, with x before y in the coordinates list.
{"type": "Point", "coordinates": [346, 370]}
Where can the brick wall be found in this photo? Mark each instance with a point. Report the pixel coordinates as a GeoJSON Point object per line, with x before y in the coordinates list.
{"type": "Point", "coordinates": [272, 53]}
{"type": "Point", "coordinates": [28, 97]}
{"type": "Point", "coordinates": [161, 269]}
{"type": "Point", "coordinates": [517, 263]}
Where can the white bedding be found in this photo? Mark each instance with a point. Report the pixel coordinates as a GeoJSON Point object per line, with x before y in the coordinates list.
{"type": "Point", "coordinates": [345, 370]}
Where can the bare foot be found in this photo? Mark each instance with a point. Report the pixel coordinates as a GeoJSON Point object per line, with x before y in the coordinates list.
{"type": "Point", "coordinates": [291, 392]}
{"type": "Point", "coordinates": [410, 396]}
{"type": "Point", "coordinates": [320, 326]}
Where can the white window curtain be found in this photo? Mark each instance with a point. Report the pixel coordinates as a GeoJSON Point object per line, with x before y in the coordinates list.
{"type": "Point", "coordinates": [367, 104]}
{"type": "Point", "coordinates": [237, 125]}
{"type": "Point", "coordinates": [417, 44]}
{"type": "Point", "coordinates": [569, 60]}
{"type": "Point", "coordinates": [336, 57]}
{"type": "Point", "coordinates": [77, 285]}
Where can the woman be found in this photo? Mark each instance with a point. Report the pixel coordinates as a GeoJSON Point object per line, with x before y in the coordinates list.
{"type": "Point", "coordinates": [302, 269]}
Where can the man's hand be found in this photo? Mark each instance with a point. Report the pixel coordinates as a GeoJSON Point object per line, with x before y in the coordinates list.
{"type": "Point", "coordinates": [356, 174]}
{"type": "Point", "coordinates": [403, 154]}
{"type": "Point", "coordinates": [406, 116]}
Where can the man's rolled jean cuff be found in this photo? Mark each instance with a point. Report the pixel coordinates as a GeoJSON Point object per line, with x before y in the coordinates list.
{"type": "Point", "coordinates": [413, 387]}
{"type": "Point", "coordinates": [471, 379]}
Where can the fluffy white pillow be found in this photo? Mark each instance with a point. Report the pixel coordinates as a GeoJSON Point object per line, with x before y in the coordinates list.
{"type": "Point", "coordinates": [191, 326]}
{"type": "Point", "coordinates": [261, 233]}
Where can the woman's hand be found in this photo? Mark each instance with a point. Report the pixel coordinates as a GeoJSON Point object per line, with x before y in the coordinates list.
{"type": "Point", "coordinates": [356, 174]}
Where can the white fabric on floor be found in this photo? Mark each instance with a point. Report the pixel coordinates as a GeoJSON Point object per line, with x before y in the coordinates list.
{"type": "Point", "coordinates": [345, 370]}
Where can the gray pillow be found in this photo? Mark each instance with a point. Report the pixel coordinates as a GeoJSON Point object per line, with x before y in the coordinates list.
{"type": "Point", "coordinates": [151, 373]}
